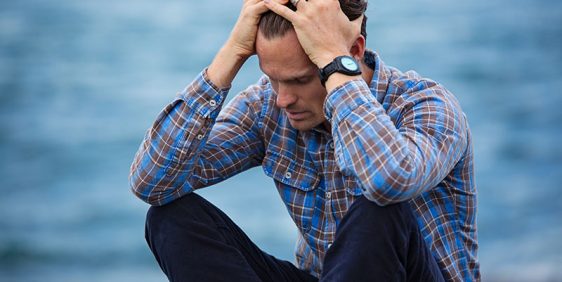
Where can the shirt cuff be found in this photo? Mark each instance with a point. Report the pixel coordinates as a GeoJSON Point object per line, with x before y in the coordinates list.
{"type": "Point", "coordinates": [203, 96]}
{"type": "Point", "coordinates": [346, 98]}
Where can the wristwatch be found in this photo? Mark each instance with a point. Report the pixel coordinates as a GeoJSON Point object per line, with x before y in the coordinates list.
{"type": "Point", "coordinates": [342, 64]}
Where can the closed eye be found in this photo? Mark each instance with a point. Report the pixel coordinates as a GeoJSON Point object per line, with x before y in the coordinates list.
{"type": "Point", "coordinates": [301, 80]}
{"type": "Point", "coordinates": [293, 81]}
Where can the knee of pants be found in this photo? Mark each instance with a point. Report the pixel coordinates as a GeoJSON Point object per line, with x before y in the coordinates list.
{"type": "Point", "coordinates": [367, 213]}
{"type": "Point", "coordinates": [183, 211]}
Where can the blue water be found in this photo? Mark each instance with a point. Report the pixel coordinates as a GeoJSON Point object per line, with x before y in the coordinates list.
{"type": "Point", "coordinates": [81, 81]}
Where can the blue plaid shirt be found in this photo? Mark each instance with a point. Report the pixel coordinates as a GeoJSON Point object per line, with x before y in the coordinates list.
{"type": "Point", "coordinates": [399, 138]}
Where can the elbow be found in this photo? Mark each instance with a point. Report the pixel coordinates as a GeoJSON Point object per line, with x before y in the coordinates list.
{"type": "Point", "coordinates": [384, 199]}
{"type": "Point", "coordinates": [157, 194]}
{"type": "Point", "coordinates": [142, 191]}
{"type": "Point", "coordinates": [137, 185]}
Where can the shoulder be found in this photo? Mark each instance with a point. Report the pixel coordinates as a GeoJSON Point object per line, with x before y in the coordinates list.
{"type": "Point", "coordinates": [410, 87]}
{"type": "Point", "coordinates": [252, 99]}
{"type": "Point", "coordinates": [257, 100]}
{"type": "Point", "coordinates": [414, 99]}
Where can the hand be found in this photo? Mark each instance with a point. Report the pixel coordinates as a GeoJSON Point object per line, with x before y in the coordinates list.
{"type": "Point", "coordinates": [323, 30]}
{"type": "Point", "coordinates": [239, 46]}
{"type": "Point", "coordinates": [243, 36]}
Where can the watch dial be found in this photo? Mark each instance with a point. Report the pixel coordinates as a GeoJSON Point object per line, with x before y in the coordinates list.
{"type": "Point", "coordinates": [349, 64]}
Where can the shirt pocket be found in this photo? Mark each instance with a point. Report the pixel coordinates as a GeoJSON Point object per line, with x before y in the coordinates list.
{"type": "Point", "coordinates": [296, 184]}
{"type": "Point", "coordinates": [289, 172]}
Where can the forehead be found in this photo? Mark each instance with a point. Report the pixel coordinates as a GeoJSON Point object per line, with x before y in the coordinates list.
{"type": "Point", "coordinates": [283, 58]}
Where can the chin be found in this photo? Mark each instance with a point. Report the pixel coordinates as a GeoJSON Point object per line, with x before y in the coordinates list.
{"type": "Point", "coordinates": [304, 125]}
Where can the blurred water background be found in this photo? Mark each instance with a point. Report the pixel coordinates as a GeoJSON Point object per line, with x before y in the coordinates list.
{"type": "Point", "coordinates": [81, 81]}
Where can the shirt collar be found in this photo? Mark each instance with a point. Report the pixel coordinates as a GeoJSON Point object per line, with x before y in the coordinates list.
{"type": "Point", "coordinates": [379, 83]}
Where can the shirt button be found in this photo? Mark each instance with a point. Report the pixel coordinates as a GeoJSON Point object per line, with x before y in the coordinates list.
{"type": "Point", "coordinates": [329, 245]}
{"type": "Point", "coordinates": [288, 174]}
{"type": "Point", "coordinates": [200, 137]}
{"type": "Point", "coordinates": [328, 195]}
{"type": "Point", "coordinates": [213, 103]}
{"type": "Point", "coordinates": [332, 145]}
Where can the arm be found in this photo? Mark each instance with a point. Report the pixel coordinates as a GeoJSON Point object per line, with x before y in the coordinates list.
{"type": "Point", "coordinates": [184, 149]}
{"type": "Point", "coordinates": [393, 163]}
{"type": "Point", "coordinates": [191, 146]}
{"type": "Point", "coordinates": [396, 160]}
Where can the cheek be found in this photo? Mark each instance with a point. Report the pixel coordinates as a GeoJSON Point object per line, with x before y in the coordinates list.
{"type": "Point", "coordinates": [317, 95]}
{"type": "Point", "coordinates": [275, 86]}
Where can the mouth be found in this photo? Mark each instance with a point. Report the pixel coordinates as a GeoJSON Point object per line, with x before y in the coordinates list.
{"type": "Point", "coordinates": [296, 115]}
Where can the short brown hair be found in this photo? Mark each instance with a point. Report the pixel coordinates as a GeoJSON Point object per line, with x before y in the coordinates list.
{"type": "Point", "coordinates": [272, 25]}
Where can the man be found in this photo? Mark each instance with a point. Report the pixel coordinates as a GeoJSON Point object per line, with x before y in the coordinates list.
{"type": "Point", "coordinates": [374, 165]}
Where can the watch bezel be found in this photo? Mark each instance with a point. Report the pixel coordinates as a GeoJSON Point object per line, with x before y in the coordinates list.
{"type": "Point", "coordinates": [351, 59]}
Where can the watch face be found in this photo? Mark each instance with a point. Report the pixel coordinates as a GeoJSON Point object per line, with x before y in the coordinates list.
{"type": "Point", "coordinates": [349, 64]}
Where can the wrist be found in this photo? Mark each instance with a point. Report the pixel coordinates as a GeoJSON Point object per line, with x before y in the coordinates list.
{"type": "Point", "coordinates": [338, 79]}
{"type": "Point", "coordinates": [327, 58]}
{"type": "Point", "coordinates": [345, 65]}
{"type": "Point", "coordinates": [236, 52]}
{"type": "Point", "coordinates": [225, 66]}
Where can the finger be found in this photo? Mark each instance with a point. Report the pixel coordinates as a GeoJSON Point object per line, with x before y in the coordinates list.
{"type": "Point", "coordinates": [295, 3]}
{"type": "Point", "coordinates": [260, 8]}
{"type": "Point", "coordinates": [281, 10]}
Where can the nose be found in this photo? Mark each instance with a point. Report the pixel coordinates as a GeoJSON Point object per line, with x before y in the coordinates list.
{"type": "Point", "coordinates": [285, 96]}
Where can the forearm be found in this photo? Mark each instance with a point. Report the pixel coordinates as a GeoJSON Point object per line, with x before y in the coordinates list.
{"type": "Point", "coordinates": [395, 159]}
{"type": "Point", "coordinates": [170, 153]}
{"type": "Point", "coordinates": [162, 166]}
{"type": "Point", "coordinates": [239, 46]}
{"type": "Point", "coordinates": [225, 66]}
{"type": "Point", "coordinates": [337, 79]}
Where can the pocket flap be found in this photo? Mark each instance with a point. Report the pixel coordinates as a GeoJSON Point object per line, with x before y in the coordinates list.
{"type": "Point", "coordinates": [289, 172]}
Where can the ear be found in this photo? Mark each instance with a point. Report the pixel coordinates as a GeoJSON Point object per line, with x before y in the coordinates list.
{"type": "Point", "coordinates": [358, 48]}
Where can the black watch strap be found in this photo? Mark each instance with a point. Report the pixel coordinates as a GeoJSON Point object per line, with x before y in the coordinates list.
{"type": "Point", "coordinates": [342, 64]}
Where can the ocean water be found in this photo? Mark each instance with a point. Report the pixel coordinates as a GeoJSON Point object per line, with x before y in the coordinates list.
{"type": "Point", "coordinates": [80, 82]}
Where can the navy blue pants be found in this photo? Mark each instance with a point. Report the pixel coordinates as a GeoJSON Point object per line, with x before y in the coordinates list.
{"type": "Point", "coordinates": [193, 240]}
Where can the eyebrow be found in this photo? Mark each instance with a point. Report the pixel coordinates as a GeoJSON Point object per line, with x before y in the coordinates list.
{"type": "Point", "coordinates": [294, 77]}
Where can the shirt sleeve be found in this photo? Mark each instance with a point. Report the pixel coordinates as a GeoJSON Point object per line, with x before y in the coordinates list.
{"type": "Point", "coordinates": [399, 154]}
{"type": "Point", "coordinates": [191, 145]}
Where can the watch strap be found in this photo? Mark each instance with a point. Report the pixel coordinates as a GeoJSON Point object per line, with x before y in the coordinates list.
{"type": "Point", "coordinates": [336, 66]}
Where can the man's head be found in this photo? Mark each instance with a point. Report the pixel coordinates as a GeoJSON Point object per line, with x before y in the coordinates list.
{"type": "Point", "coordinates": [293, 76]}
{"type": "Point", "coordinates": [272, 25]}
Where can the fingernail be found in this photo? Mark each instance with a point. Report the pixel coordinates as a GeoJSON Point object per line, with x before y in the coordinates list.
{"type": "Point", "coordinates": [266, 1]}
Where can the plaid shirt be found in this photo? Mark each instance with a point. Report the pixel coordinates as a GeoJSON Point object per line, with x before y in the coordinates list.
{"type": "Point", "coordinates": [401, 138]}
